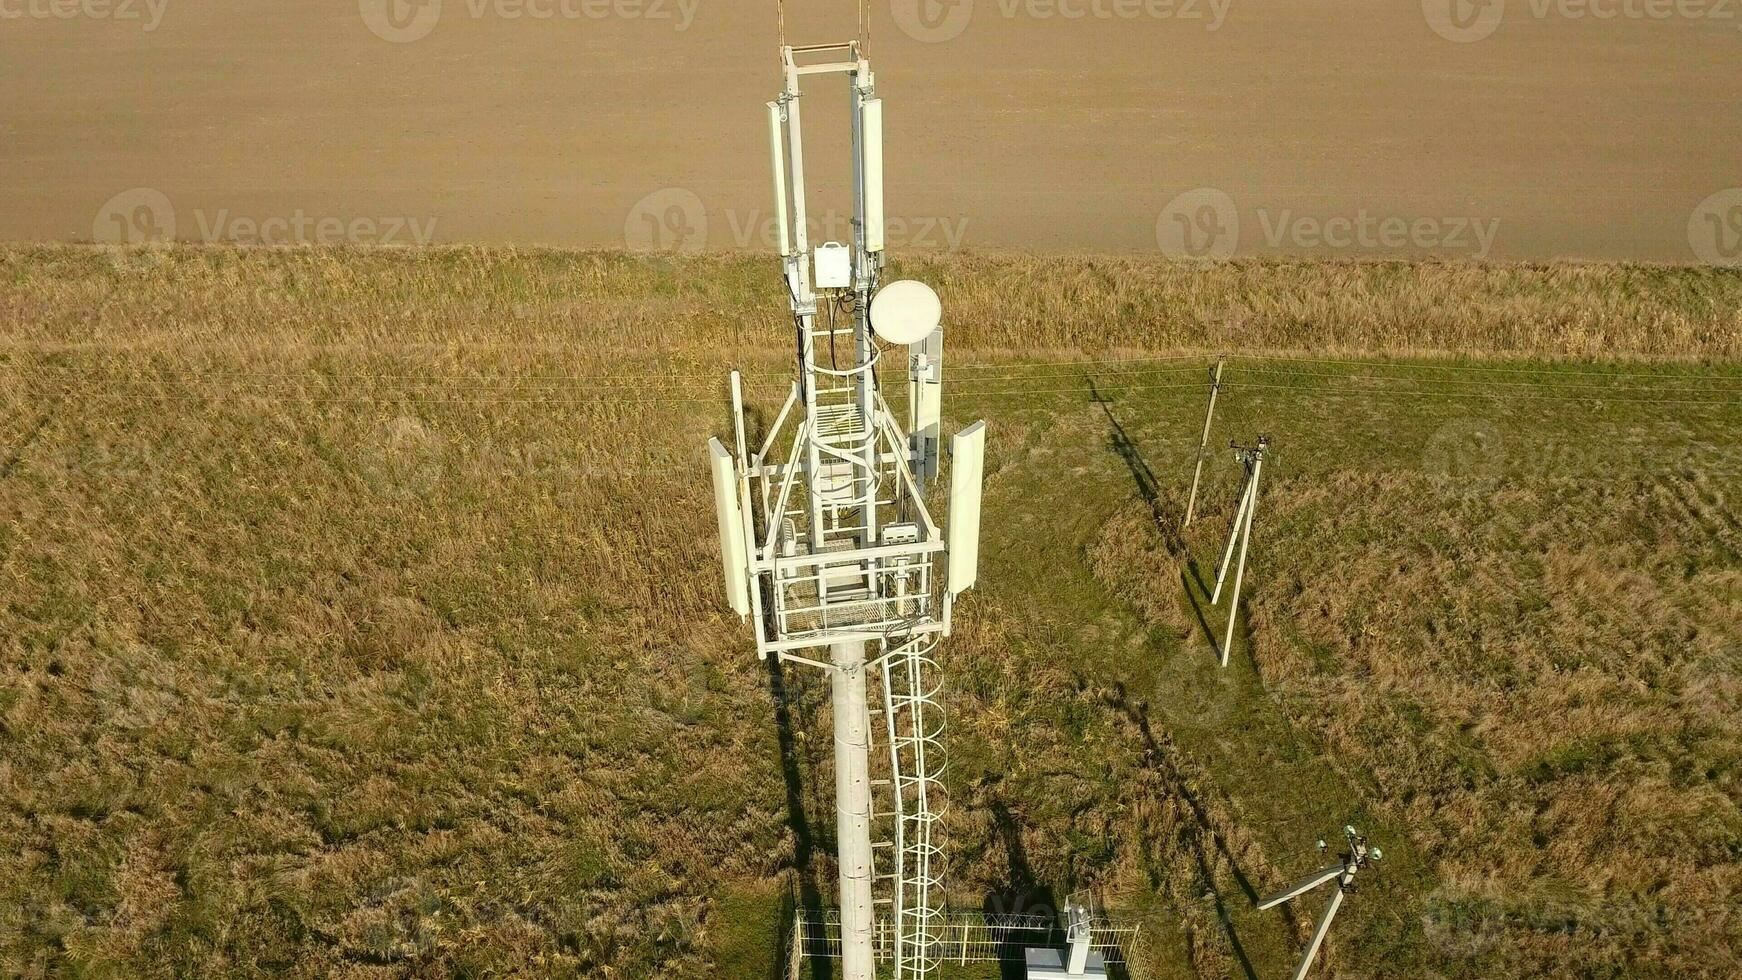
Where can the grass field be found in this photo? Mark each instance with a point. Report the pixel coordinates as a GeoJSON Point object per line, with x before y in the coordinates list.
{"type": "Point", "coordinates": [362, 616]}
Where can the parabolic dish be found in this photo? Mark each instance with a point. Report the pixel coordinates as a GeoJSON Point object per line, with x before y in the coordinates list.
{"type": "Point", "coordinates": [906, 312]}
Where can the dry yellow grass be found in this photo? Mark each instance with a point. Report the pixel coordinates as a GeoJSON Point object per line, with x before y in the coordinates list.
{"type": "Point", "coordinates": [706, 307]}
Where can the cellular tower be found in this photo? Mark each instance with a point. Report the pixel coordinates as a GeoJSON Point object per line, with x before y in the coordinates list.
{"type": "Point", "coordinates": [830, 553]}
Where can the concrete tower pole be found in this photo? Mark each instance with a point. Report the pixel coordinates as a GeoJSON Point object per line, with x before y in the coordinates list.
{"type": "Point", "coordinates": [853, 809]}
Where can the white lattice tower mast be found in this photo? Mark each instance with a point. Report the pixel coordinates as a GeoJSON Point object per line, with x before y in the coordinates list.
{"type": "Point", "coordinates": [834, 548]}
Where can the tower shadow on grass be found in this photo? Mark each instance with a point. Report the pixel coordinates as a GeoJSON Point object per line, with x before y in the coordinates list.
{"type": "Point", "coordinates": [1023, 894]}
{"type": "Point", "coordinates": [809, 899]}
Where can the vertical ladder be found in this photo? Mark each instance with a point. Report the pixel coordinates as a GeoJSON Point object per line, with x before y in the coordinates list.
{"type": "Point", "coordinates": [843, 437]}
{"type": "Point", "coordinates": [914, 723]}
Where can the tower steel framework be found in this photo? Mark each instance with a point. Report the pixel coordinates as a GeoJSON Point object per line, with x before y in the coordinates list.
{"type": "Point", "coordinates": [825, 533]}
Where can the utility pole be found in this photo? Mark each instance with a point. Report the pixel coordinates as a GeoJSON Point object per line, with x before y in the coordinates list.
{"type": "Point", "coordinates": [1354, 860]}
{"type": "Point", "coordinates": [1204, 440]}
{"type": "Point", "coordinates": [1252, 464]}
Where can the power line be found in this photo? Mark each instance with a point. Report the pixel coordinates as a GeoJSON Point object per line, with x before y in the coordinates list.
{"type": "Point", "coordinates": [1429, 366]}
{"type": "Point", "coordinates": [677, 380]}
{"type": "Point", "coordinates": [1732, 404]}
{"type": "Point", "coordinates": [504, 395]}
{"type": "Point", "coordinates": [545, 387]}
{"type": "Point", "coordinates": [1042, 368]}
{"type": "Point", "coordinates": [1483, 382]}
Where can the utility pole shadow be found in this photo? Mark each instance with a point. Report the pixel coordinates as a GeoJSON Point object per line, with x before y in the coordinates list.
{"type": "Point", "coordinates": [1165, 511]}
{"type": "Point", "coordinates": [1169, 517]}
{"type": "Point", "coordinates": [1197, 607]}
{"type": "Point", "coordinates": [1206, 842]}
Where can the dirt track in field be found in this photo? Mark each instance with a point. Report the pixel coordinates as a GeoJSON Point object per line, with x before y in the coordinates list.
{"type": "Point", "coordinates": [1253, 126]}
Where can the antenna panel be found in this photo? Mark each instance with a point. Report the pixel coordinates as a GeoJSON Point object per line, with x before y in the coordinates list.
{"type": "Point", "coordinates": [834, 266]}
{"type": "Point", "coordinates": [731, 520]}
{"type": "Point", "coordinates": [871, 142]}
{"type": "Point", "coordinates": [777, 153]}
{"type": "Point", "coordinates": [968, 459]}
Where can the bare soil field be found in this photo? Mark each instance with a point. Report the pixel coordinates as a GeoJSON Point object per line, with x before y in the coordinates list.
{"type": "Point", "coordinates": [1329, 127]}
{"type": "Point", "coordinates": [360, 615]}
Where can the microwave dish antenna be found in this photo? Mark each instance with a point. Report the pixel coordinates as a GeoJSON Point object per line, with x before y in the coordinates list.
{"type": "Point", "coordinates": [906, 312]}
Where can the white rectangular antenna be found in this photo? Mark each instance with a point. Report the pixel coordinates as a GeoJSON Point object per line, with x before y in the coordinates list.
{"type": "Point", "coordinates": [778, 153]}
{"type": "Point", "coordinates": [871, 116]}
{"type": "Point", "coordinates": [833, 267]}
{"type": "Point", "coordinates": [925, 376]}
{"type": "Point", "coordinates": [968, 462]}
{"type": "Point", "coordinates": [731, 519]}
